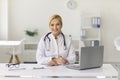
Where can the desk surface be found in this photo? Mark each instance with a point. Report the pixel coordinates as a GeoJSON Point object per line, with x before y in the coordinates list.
{"type": "Point", "coordinates": [10, 43]}
{"type": "Point", "coordinates": [61, 71]}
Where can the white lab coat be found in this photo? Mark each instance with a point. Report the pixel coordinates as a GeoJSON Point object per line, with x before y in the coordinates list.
{"type": "Point", "coordinates": [48, 49]}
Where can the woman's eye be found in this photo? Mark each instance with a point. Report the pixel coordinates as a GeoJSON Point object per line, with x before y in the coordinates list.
{"type": "Point", "coordinates": [58, 24]}
{"type": "Point", "coordinates": [52, 25]}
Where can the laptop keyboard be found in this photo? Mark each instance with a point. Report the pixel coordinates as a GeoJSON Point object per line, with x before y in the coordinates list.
{"type": "Point", "coordinates": [73, 66]}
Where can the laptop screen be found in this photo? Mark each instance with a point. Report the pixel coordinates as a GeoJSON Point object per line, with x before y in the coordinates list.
{"type": "Point", "coordinates": [91, 57]}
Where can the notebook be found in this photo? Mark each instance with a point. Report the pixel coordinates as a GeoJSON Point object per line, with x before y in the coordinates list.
{"type": "Point", "coordinates": [90, 57]}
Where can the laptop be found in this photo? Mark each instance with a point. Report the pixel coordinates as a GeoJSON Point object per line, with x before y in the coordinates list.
{"type": "Point", "coordinates": [90, 57]}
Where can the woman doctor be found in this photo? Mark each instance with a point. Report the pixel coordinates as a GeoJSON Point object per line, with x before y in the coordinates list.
{"type": "Point", "coordinates": [55, 48]}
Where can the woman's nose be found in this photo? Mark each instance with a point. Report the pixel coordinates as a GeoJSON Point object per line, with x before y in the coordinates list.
{"type": "Point", "coordinates": [55, 27]}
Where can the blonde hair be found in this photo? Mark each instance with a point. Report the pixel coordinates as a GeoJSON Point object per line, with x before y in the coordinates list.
{"type": "Point", "coordinates": [56, 16]}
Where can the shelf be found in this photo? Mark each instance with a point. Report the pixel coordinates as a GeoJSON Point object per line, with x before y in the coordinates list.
{"type": "Point", "coordinates": [87, 27]}
{"type": "Point", "coordinates": [31, 42]}
{"type": "Point", "coordinates": [30, 51]}
{"type": "Point", "coordinates": [90, 29]}
{"type": "Point", "coordinates": [77, 50]}
{"type": "Point", "coordinates": [90, 39]}
{"type": "Point", "coordinates": [30, 47]}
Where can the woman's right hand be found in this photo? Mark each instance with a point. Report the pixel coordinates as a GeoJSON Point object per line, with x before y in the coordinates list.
{"type": "Point", "coordinates": [57, 61]}
{"type": "Point", "coordinates": [52, 63]}
{"type": "Point", "coordinates": [60, 60]}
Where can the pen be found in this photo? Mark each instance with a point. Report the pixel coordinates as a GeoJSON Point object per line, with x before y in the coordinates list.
{"type": "Point", "coordinates": [38, 68]}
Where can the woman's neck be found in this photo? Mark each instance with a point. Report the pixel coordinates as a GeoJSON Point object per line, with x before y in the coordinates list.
{"type": "Point", "coordinates": [56, 36]}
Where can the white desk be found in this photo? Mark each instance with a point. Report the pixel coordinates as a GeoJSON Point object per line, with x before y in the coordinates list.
{"type": "Point", "coordinates": [106, 72]}
{"type": "Point", "coordinates": [12, 45]}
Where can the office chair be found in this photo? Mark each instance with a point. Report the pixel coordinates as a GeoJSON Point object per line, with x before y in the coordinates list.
{"type": "Point", "coordinates": [117, 46]}
{"type": "Point", "coordinates": [16, 50]}
{"type": "Point", "coordinates": [117, 43]}
{"type": "Point", "coordinates": [77, 44]}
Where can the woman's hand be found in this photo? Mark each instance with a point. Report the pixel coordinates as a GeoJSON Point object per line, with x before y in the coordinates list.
{"type": "Point", "coordinates": [57, 61]}
{"type": "Point", "coordinates": [52, 63]}
{"type": "Point", "coordinates": [61, 60]}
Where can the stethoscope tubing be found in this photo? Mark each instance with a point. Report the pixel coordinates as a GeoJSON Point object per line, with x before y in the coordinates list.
{"type": "Point", "coordinates": [47, 37]}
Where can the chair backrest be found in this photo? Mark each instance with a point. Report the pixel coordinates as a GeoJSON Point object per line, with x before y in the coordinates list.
{"type": "Point", "coordinates": [117, 43]}
{"type": "Point", "coordinates": [18, 49]}
{"type": "Point", "coordinates": [77, 44]}
{"type": "Point", "coordinates": [22, 45]}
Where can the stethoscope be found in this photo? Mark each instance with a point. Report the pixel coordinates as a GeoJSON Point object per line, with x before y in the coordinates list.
{"type": "Point", "coordinates": [47, 37]}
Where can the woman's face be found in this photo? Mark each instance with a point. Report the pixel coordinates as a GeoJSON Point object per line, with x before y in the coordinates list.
{"type": "Point", "coordinates": [55, 27]}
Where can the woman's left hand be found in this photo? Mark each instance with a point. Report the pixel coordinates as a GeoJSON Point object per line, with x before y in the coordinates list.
{"type": "Point", "coordinates": [61, 60]}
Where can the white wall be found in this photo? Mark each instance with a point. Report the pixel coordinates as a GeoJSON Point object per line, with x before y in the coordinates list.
{"type": "Point", "coordinates": [3, 29]}
{"type": "Point", "coordinates": [3, 20]}
{"type": "Point", "coordinates": [110, 10]}
{"type": "Point", "coordinates": [33, 14]}
{"type": "Point", "coordinates": [24, 14]}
